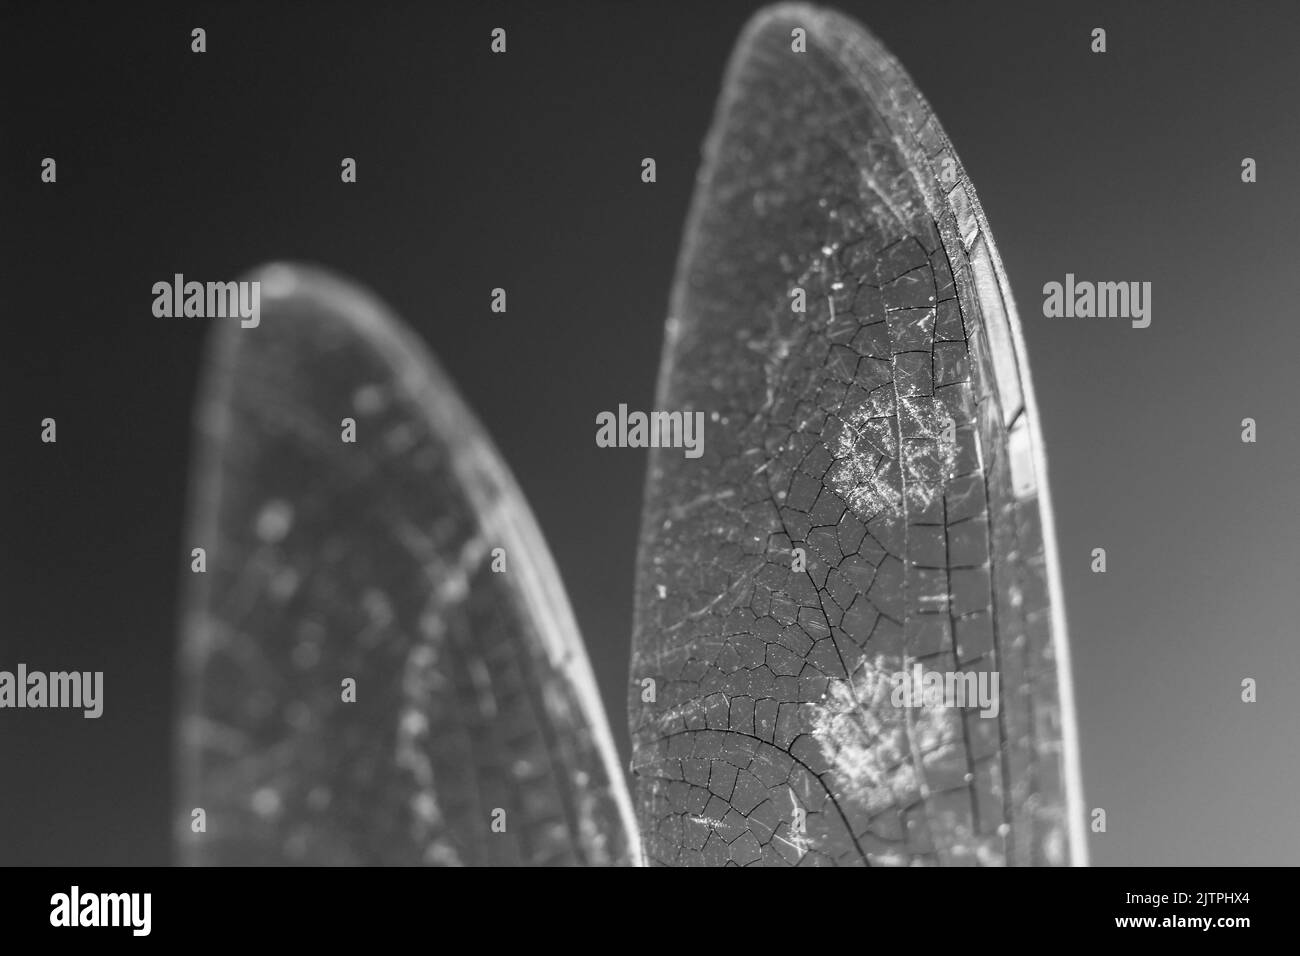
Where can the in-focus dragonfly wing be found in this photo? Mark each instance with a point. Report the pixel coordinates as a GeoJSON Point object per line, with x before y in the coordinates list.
{"type": "Point", "coordinates": [870, 513]}
{"type": "Point", "coordinates": [374, 561]}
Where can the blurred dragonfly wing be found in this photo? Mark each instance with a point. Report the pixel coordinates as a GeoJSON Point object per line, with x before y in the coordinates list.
{"type": "Point", "coordinates": [380, 665]}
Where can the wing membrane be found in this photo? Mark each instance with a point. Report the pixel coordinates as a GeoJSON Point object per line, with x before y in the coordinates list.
{"type": "Point", "coordinates": [887, 434]}
{"type": "Point", "coordinates": [372, 561]}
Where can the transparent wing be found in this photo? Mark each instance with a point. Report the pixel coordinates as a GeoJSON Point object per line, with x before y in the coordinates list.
{"type": "Point", "coordinates": [870, 508]}
{"type": "Point", "coordinates": [476, 735]}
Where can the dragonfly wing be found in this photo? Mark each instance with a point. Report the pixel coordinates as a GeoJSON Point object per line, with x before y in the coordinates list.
{"type": "Point", "coordinates": [871, 504]}
{"type": "Point", "coordinates": [380, 665]}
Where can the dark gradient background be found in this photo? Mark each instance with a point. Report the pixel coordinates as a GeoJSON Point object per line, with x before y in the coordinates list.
{"type": "Point", "coordinates": [522, 171]}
